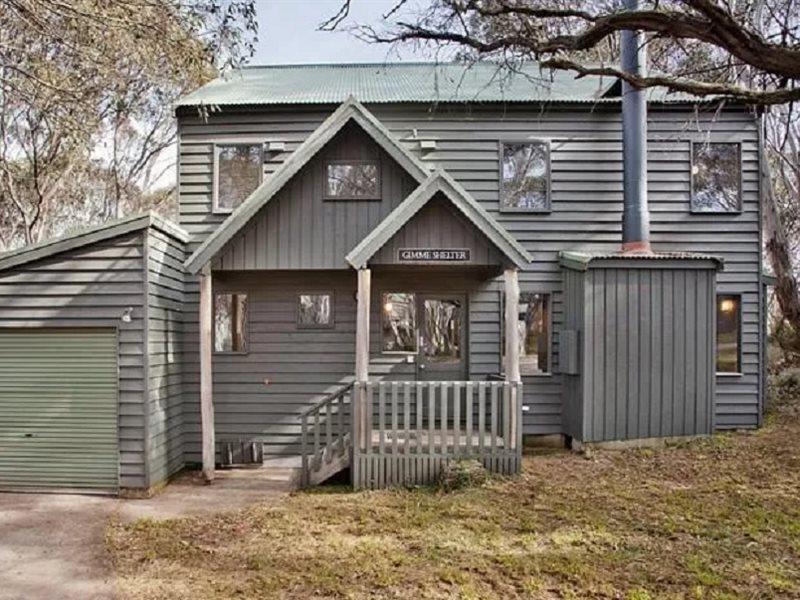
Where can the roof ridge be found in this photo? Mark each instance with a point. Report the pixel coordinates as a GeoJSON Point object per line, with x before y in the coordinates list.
{"type": "Point", "coordinates": [344, 65]}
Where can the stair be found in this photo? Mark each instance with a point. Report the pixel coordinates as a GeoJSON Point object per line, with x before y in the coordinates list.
{"type": "Point", "coordinates": [325, 432]}
{"type": "Point", "coordinates": [334, 459]}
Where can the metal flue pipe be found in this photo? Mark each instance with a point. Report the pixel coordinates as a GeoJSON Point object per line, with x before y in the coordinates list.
{"type": "Point", "coordinates": [635, 216]}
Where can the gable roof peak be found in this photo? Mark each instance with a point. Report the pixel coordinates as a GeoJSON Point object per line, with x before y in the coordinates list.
{"type": "Point", "coordinates": [348, 110]}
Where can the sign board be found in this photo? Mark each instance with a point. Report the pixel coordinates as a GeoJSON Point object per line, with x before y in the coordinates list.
{"type": "Point", "coordinates": [433, 255]}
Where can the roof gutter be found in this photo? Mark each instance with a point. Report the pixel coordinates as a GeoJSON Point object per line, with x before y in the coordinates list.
{"type": "Point", "coordinates": [635, 216]}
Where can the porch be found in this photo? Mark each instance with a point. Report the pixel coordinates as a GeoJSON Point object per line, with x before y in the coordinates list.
{"type": "Point", "coordinates": [404, 432]}
{"type": "Point", "coordinates": [398, 417]}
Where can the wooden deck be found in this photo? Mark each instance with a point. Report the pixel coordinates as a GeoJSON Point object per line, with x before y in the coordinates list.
{"type": "Point", "coordinates": [404, 432]}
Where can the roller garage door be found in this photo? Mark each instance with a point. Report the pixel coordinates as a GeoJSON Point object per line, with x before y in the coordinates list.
{"type": "Point", "coordinates": [58, 409]}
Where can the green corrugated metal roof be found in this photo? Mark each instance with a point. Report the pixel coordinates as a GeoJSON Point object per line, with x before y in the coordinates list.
{"type": "Point", "coordinates": [580, 260]}
{"type": "Point", "coordinates": [396, 82]}
{"type": "Point", "coordinates": [84, 236]}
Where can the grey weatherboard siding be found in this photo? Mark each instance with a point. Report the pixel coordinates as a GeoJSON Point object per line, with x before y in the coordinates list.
{"type": "Point", "coordinates": [165, 298]}
{"type": "Point", "coordinates": [586, 209]}
{"type": "Point", "coordinates": [90, 286]}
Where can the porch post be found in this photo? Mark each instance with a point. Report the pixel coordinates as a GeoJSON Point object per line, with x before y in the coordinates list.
{"type": "Point", "coordinates": [512, 353]}
{"type": "Point", "coordinates": [362, 354]}
{"type": "Point", "coordinates": [206, 378]}
{"type": "Point", "coordinates": [512, 328]}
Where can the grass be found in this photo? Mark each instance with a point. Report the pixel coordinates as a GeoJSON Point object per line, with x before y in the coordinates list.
{"type": "Point", "coordinates": [717, 518]}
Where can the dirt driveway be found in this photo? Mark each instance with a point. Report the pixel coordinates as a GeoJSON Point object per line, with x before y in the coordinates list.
{"type": "Point", "coordinates": [52, 545]}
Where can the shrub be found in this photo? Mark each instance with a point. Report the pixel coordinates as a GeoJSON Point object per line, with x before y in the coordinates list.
{"type": "Point", "coordinates": [784, 388]}
{"type": "Point", "coordinates": [462, 473]}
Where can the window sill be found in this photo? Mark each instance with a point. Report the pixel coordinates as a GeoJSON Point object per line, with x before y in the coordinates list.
{"type": "Point", "coordinates": [354, 199]}
{"type": "Point", "coordinates": [729, 375]}
{"type": "Point", "coordinates": [231, 353]}
{"type": "Point", "coordinates": [716, 213]}
{"type": "Point", "coordinates": [537, 375]}
{"type": "Point", "coordinates": [527, 211]}
{"type": "Point", "coordinates": [222, 211]}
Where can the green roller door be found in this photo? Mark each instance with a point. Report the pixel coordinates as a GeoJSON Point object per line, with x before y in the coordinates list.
{"type": "Point", "coordinates": [58, 409]}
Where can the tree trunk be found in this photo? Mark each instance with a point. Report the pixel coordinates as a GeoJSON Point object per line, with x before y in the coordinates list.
{"type": "Point", "coordinates": [780, 258]}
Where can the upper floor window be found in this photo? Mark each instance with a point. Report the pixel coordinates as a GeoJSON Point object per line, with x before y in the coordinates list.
{"type": "Point", "coordinates": [525, 176]}
{"type": "Point", "coordinates": [729, 331]}
{"type": "Point", "coordinates": [230, 322]}
{"type": "Point", "coordinates": [533, 322]}
{"type": "Point", "coordinates": [238, 169]}
{"type": "Point", "coordinates": [716, 177]}
{"type": "Point", "coordinates": [352, 180]}
{"type": "Point", "coordinates": [315, 310]}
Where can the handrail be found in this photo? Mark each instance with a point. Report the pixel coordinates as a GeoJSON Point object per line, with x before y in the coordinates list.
{"type": "Point", "coordinates": [329, 398]}
{"type": "Point", "coordinates": [337, 441]}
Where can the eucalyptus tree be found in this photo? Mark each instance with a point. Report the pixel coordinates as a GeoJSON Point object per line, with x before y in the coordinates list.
{"type": "Point", "coordinates": [86, 93]}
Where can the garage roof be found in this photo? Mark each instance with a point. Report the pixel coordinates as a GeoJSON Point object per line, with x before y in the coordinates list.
{"type": "Point", "coordinates": [90, 235]}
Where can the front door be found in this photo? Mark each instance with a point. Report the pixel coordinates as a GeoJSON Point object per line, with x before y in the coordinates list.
{"type": "Point", "coordinates": [442, 337]}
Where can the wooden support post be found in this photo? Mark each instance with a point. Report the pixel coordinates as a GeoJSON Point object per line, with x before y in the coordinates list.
{"type": "Point", "coordinates": [512, 354]}
{"type": "Point", "coordinates": [206, 377]}
{"type": "Point", "coordinates": [512, 327]}
{"type": "Point", "coordinates": [362, 356]}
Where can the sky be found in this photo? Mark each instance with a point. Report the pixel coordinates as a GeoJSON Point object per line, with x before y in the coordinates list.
{"type": "Point", "coordinates": [288, 33]}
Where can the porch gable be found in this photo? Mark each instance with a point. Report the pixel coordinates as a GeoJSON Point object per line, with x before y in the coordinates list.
{"type": "Point", "coordinates": [440, 185]}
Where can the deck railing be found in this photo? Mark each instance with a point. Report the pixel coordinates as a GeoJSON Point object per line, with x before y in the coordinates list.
{"type": "Point", "coordinates": [325, 433]}
{"type": "Point", "coordinates": [404, 432]}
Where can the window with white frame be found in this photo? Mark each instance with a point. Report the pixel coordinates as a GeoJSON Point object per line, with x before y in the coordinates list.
{"type": "Point", "coordinates": [238, 171]}
{"type": "Point", "coordinates": [525, 176]}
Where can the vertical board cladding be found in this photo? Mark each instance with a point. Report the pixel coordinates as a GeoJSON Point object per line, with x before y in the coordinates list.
{"type": "Point", "coordinates": [438, 225]}
{"type": "Point", "coordinates": [300, 229]}
{"type": "Point", "coordinates": [586, 190]}
{"type": "Point", "coordinates": [165, 307]}
{"type": "Point", "coordinates": [92, 287]}
{"type": "Point", "coordinates": [574, 302]}
{"type": "Point", "coordinates": [647, 352]}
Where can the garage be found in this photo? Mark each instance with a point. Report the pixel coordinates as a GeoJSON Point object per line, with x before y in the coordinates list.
{"type": "Point", "coordinates": [90, 369]}
{"type": "Point", "coordinates": [58, 409]}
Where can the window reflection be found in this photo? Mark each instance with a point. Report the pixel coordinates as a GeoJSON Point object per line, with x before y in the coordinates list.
{"type": "Point", "coordinates": [239, 168]}
{"type": "Point", "coordinates": [230, 323]}
{"type": "Point", "coordinates": [314, 310]}
{"type": "Point", "coordinates": [716, 177]}
{"type": "Point", "coordinates": [728, 334]}
{"type": "Point", "coordinates": [352, 180]}
{"type": "Point", "coordinates": [525, 177]}
{"type": "Point", "coordinates": [399, 322]}
{"type": "Point", "coordinates": [441, 334]}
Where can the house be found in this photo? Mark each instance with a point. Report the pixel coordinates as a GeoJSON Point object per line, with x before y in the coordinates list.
{"type": "Point", "coordinates": [385, 267]}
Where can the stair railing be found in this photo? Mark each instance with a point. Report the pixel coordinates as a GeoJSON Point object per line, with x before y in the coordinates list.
{"type": "Point", "coordinates": [325, 431]}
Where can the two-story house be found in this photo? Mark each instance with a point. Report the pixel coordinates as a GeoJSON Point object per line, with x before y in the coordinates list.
{"type": "Point", "coordinates": [386, 267]}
